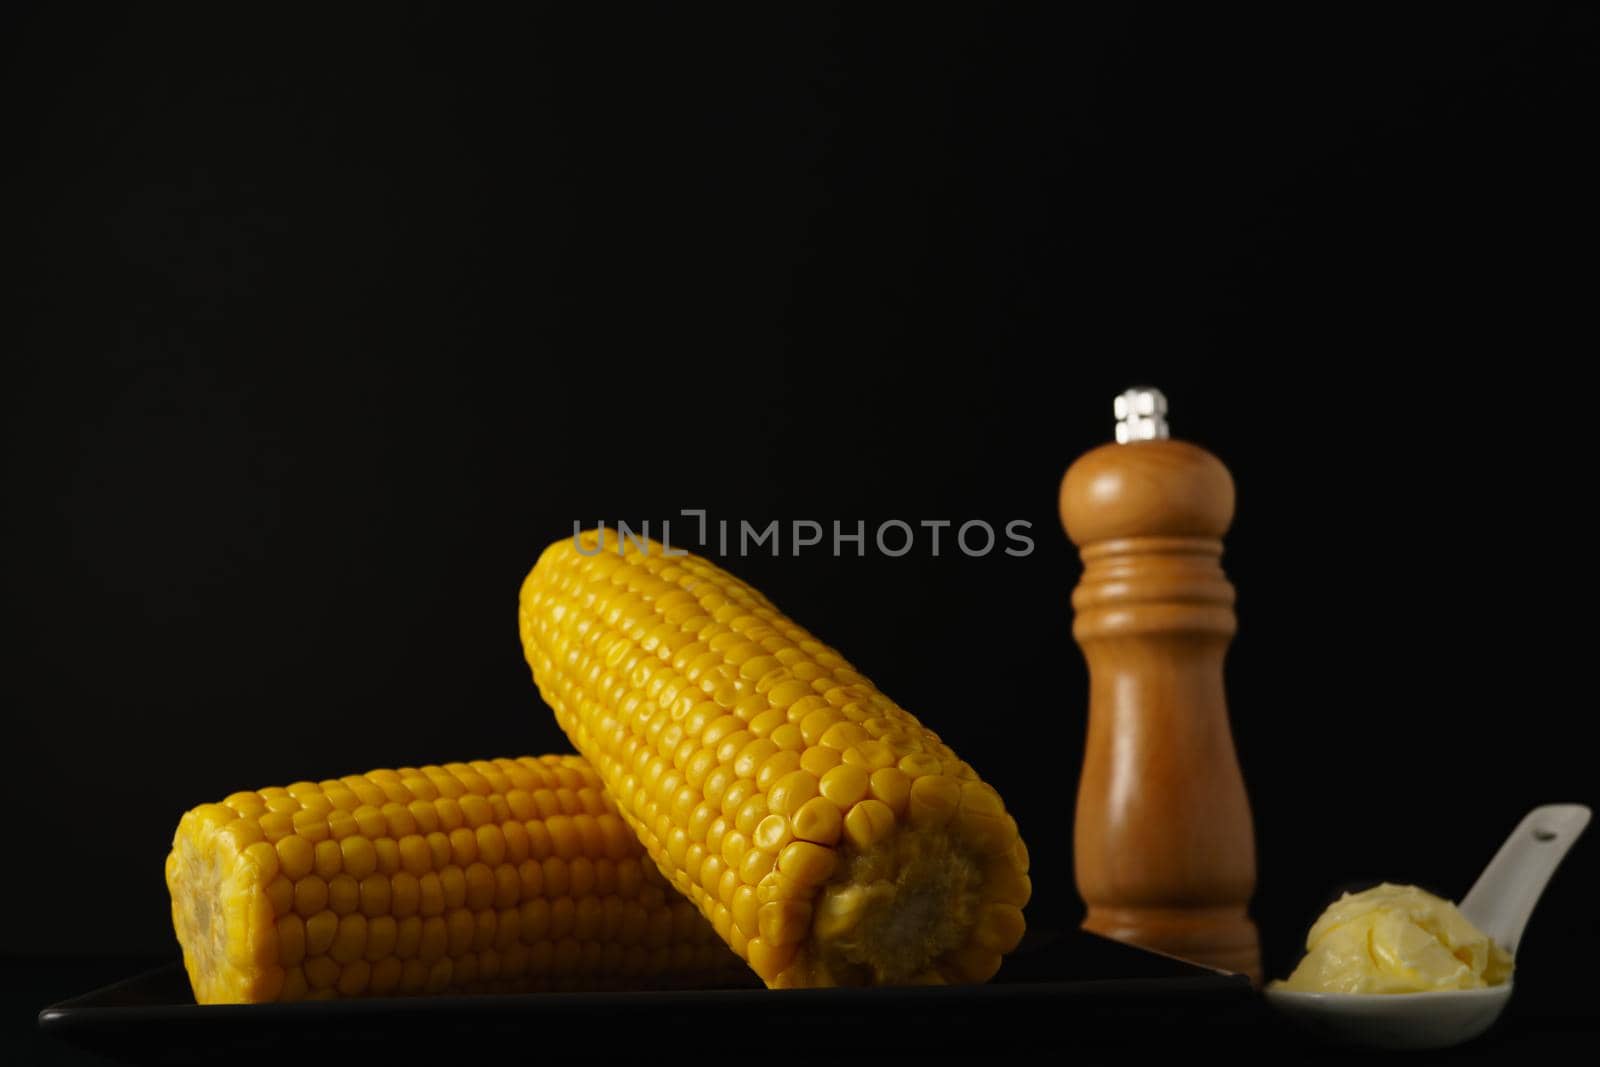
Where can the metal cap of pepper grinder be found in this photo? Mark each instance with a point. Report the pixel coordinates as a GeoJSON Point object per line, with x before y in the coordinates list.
{"type": "Point", "coordinates": [1141, 415]}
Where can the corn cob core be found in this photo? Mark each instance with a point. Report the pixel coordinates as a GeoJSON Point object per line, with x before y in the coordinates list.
{"type": "Point", "coordinates": [830, 838]}
{"type": "Point", "coordinates": [496, 875]}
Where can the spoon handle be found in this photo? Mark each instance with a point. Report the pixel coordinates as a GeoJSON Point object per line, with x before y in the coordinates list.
{"type": "Point", "coordinates": [1503, 898]}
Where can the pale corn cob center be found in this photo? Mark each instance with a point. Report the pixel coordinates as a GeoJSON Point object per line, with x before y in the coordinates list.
{"type": "Point", "coordinates": [499, 875]}
{"type": "Point", "coordinates": [828, 836]}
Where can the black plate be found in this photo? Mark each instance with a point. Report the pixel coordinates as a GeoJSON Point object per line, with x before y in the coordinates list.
{"type": "Point", "coordinates": [1077, 987]}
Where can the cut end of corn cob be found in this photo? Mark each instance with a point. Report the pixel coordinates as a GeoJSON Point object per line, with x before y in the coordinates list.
{"type": "Point", "coordinates": [496, 875]}
{"type": "Point", "coordinates": [830, 838]}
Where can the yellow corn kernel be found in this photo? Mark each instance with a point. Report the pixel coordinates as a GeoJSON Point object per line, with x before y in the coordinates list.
{"type": "Point", "coordinates": [280, 894]}
{"type": "Point", "coordinates": [934, 800]}
{"type": "Point", "coordinates": [784, 922]}
{"type": "Point", "coordinates": [818, 821]}
{"type": "Point", "coordinates": [807, 863]}
{"type": "Point", "coordinates": [344, 894]}
{"type": "Point", "coordinates": [791, 791]}
{"type": "Point", "coordinates": [819, 761]}
{"type": "Point", "coordinates": [768, 960]}
{"type": "Point", "coordinates": [310, 896]}
{"type": "Point", "coordinates": [328, 858]}
{"type": "Point", "coordinates": [999, 928]}
{"type": "Point", "coordinates": [320, 931]}
{"type": "Point", "coordinates": [775, 768]}
{"type": "Point", "coordinates": [296, 856]}
{"type": "Point", "coordinates": [291, 940]}
{"type": "Point", "coordinates": [890, 785]}
{"type": "Point", "coordinates": [355, 890]}
{"type": "Point", "coordinates": [870, 755]}
{"type": "Point", "coordinates": [1006, 883]}
{"type": "Point", "coordinates": [839, 911]}
{"type": "Point", "coordinates": [844, 785]}
{"type": "Point", "coordinates": [869, 822]}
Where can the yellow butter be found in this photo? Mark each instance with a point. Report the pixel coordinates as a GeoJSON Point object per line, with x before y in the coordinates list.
{"type": "Point", "coordinates": [1396, 939]}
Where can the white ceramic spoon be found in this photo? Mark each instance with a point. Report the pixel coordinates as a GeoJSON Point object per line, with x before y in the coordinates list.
{"type": "Point", "coordinates": [1499, 905]}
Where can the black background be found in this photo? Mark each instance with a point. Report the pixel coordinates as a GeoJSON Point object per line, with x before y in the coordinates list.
{"type": "Point", "coordinates": [325, 324]}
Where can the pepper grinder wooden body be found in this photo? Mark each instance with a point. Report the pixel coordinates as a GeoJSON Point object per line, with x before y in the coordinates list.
{"type": "Point", "coordinates": [1164, 847]}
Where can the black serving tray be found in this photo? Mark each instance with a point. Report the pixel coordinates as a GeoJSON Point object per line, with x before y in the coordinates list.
{"type": "Point", "coordinates": [1058, 992]}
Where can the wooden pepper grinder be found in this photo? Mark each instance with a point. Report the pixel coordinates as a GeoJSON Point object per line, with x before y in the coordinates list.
{"type": "Point", "coordinates": [1164, 849]}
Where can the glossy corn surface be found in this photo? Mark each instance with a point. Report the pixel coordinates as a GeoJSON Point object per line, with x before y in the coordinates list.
{"type": "Point", "coordinates": [829, 836]}
{"type": "Point", "coordinates": [495, 876]}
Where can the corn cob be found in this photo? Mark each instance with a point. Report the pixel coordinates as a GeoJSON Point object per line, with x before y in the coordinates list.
{"type": "Point", "coordinates": [830, 838]}
{"type": "Point", "coordinates": [500, 876]}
